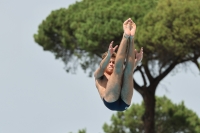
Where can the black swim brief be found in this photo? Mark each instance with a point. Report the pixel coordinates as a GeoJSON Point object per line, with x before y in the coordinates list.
{"type": "Point", "coordinates": [118, 105]}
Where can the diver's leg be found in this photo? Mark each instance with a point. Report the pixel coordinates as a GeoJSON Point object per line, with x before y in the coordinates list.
{"type": "Point", "coordinates": [113, 87]}
{"type": "Point", "coordinates": [127, 84]}
{"type": "Point", "coordinates": [127, 81]}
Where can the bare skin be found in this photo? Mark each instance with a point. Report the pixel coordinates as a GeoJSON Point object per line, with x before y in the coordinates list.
{"type": "Point", "coordinates": [111, 78]}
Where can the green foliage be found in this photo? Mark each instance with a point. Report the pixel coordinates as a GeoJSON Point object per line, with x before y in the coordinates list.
{"type": "Point", "coordinates": [169, 118]}
{"type": "Point", "coordinates": [86, 28]}
{"type": "Point", "coordinates": [172, 28]}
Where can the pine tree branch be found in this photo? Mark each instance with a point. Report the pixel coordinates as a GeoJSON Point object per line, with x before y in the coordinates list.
{"type": "Point", "coordinates": [167, 71]}
{"type": "Point", "coordinates": [143, 77]}
{"type": "Point", "coordinates": [195, 61]}
{"type": "Point", "coordinates": [138, 87]}
{"type": "Point", "coordinates": [147, 71]}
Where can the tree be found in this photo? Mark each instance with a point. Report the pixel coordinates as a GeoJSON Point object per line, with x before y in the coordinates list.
{"type": "Point", "coordinates": [169, 118]}
{"type": "Point", "coordinates": [81, 33]}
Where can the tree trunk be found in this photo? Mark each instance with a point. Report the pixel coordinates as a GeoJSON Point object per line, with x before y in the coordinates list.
{"type": "Point", "coordinates": [148, 117]}
{"type": "Point", "coordinates": [148, 94]}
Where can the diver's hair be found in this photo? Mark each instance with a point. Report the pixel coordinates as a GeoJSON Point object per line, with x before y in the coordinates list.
{"type": "Point", "coordinates": [105, 54]}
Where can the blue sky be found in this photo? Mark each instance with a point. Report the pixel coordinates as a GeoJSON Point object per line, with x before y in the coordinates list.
{"type": "Point", "coordinates": [38, 96]}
